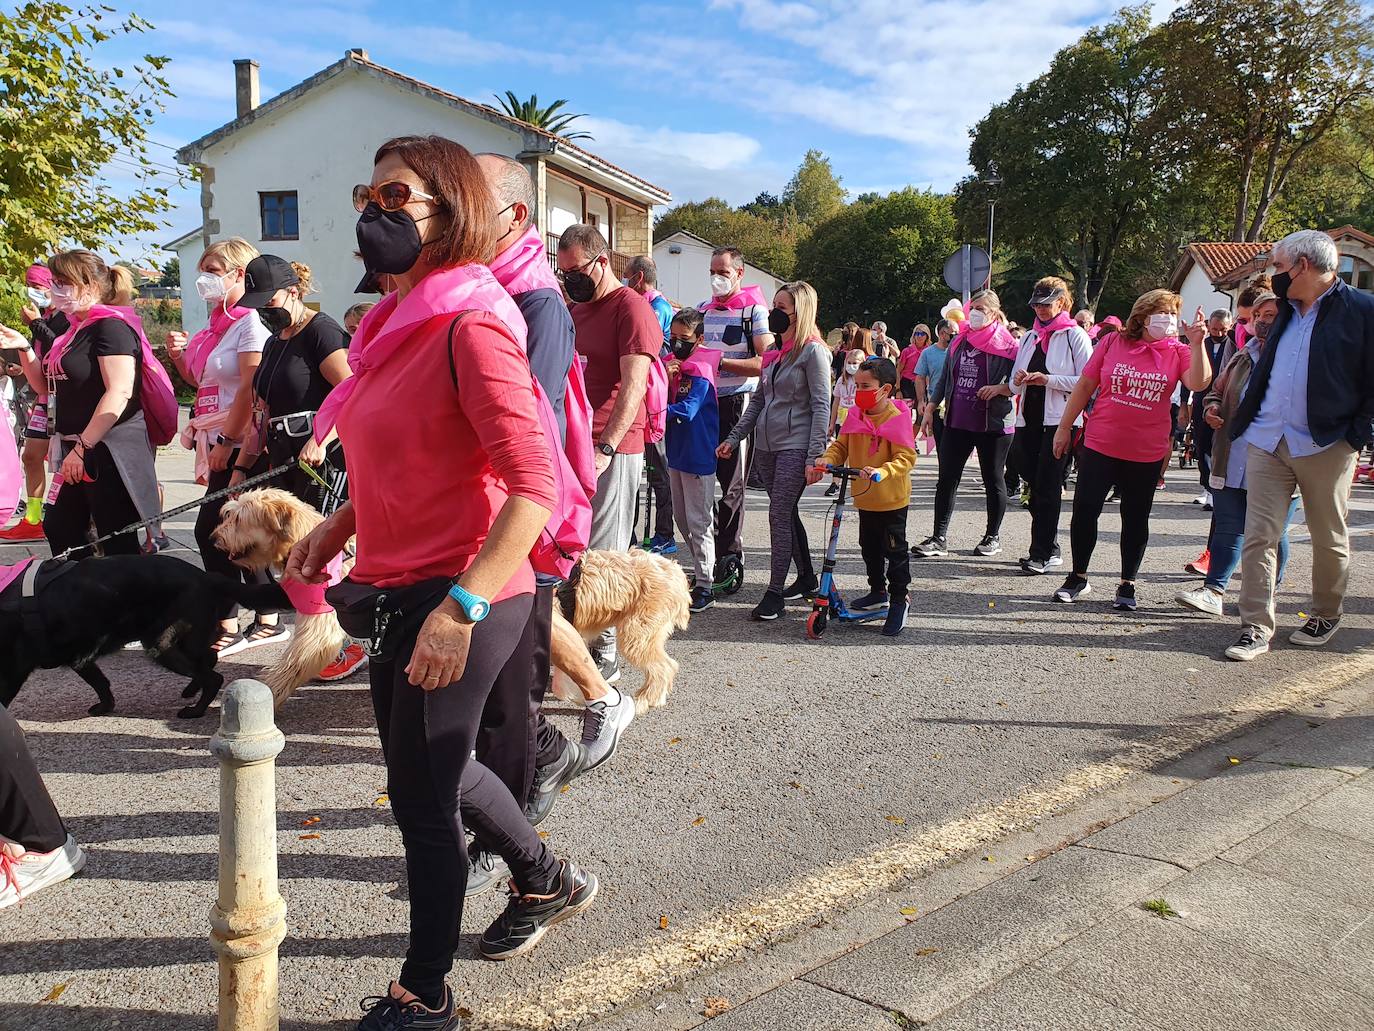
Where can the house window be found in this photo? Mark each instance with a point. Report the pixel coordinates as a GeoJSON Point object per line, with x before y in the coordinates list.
{"type": "Point", "coordinates": [280, 218]}
{"type": "Point", "coordinates": [1357, 273]}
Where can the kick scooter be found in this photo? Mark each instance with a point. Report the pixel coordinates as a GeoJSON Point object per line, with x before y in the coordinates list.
{"type": "Point", "coordinates": [828, 604]}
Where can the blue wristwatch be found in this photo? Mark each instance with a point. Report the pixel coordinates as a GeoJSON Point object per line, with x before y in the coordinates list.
{"type": "Point", "coordinates": [474, 608]}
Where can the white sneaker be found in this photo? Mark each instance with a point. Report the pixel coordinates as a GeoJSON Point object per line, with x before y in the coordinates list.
{"type": "Point", "coordinates": [23, 873]}
{"type": "Point", "coordinates": [1202, 599]}
{"type": "Point", "coordinates": [1252, 644]}
{"type": "Point", "coordinates": [603, 721]}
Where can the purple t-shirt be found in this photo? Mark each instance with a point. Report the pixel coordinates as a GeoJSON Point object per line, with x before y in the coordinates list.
{"type": "Point", "coordinates": [966, 411]}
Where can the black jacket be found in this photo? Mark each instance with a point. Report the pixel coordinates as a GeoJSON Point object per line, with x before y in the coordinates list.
{"type": "Point", "coordinates": [999, 371]}
{"type": "Point", "coordinates": [1340, 370]}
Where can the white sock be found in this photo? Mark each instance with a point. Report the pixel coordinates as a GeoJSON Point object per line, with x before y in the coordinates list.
{"type": "Point", "coordinates": [611, 697]}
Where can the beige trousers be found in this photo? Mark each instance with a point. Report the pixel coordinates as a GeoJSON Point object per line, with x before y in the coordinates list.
{"type": "Point", "coordinates": [1324, 480]}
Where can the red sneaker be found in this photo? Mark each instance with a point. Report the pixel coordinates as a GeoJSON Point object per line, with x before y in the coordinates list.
{"type": "Point", "coordinates": [23, 531]}
{"type": "Point", "coordinates": [1201, 565]}
{"type": "Point", "coordinates": [351, 659]}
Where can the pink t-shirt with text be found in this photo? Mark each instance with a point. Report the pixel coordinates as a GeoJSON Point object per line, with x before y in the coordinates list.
{"type": "Point", "coordinates": [1131, 417]}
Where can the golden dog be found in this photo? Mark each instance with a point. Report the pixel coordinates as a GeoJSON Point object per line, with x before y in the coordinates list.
{"type": "Point", "coordinates": [644, 596]}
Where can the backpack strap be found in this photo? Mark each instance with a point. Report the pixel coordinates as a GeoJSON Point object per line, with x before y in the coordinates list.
{"type": "Point", "coordinates": [747, 325]}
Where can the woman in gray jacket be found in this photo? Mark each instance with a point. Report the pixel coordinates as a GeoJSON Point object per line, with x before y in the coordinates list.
{"type": "Point", "coordinates": [788, 415]}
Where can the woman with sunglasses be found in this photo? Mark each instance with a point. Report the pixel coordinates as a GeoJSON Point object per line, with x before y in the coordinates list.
{"type": "Point", "coordinates": [448, 349]}
{"type": "Point", "coordinates": [906, 361]}
{"type": "Point", "coordinates": [303, 360]}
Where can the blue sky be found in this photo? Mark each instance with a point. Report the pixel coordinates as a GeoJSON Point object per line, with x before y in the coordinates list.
{"type": "Point", "coordinates": [721, 97]}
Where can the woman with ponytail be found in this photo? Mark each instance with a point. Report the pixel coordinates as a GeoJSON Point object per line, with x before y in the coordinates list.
{"type": "Point", "coordinates": [220, 362]}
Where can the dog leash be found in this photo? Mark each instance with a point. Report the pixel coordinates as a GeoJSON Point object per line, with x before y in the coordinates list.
{"type": "Point", "coordinates": [235, 489]}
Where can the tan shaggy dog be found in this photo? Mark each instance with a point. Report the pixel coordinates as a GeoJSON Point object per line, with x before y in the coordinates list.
{"type": "Point", "coordinates": [644, 596]}
{"type": "Point", "coordinates": [257, 531]}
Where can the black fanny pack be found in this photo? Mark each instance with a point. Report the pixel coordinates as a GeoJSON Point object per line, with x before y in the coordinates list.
{"type": "Point", "coordinates": [375, 616]}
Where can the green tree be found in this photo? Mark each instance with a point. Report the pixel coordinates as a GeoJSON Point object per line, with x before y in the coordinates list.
{"type": "Point", "coordinates": [763, 242]}
{"type": "Point", "coordinates": [1257, 86]}
{"type": "Point", "coordinates": [550, 118]}
{"type": "Point", "coordinates": [171, 273]}
{"type": "Point", "coordinates": [882, 257]}
{"type": "Point", "coordinates": [814, 191]}
{"type": "Point", "coordinates": [65, 113]}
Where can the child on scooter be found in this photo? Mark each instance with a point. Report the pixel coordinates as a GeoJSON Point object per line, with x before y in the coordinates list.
{"type": "Point", "coordinates": [877, 437]}
{"type": "Point", "coordinates": [693, 432]}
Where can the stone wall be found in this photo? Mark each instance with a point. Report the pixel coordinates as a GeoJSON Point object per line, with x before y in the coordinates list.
{"type": "Point", "coordinates": [631, 230]}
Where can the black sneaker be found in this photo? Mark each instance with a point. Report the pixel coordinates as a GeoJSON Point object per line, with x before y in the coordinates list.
{"type": "Point", "coordinates": [931, 547]}
{"type": "Point", "coordinates": [550, 780]}
{"type": "Point", "coordinates": [989, 546]}
{"type": "Point", "coordinates": [527, 917]}
{"type": "Point", "coordinates": [384, 1013]}
{"type": "Point", "coordinates": [1315, 632]}
{"type": "Point", "coordinates": [1035, 566]}
{"type": "Point", "coordinates": [896, 618]}
{"type": "Point", "coordinates": [485, 871]}
{"type": "Point", "coordinates": [770, 607]}
{"type": "Point", "coordinates": [1125, 598]}
{"type": "Point", "coordinates": [1073, 589]}
{"type": "Point", "coordinates": [832, 490]}
{"type": "Point", "coordinates": [801, 589]}
{"type": "Point", "coordinates": [869, 602]}
{"type": "Point", "coordinates": [702, 599]}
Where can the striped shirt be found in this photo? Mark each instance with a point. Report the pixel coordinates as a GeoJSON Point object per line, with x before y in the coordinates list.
{"type": "Point", "coordinates": [724, 331]}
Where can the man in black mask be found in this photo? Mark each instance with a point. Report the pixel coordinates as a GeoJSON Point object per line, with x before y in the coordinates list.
{"type": "Point", "coordinates": [618, 338]}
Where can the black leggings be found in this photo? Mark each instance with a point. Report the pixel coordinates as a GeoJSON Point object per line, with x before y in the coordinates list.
{"type": "Point", "coordinates": [104, 502]}
{"type": "Point", "coordinates": [955, 449]}
{"type": "Point", "coordinates": [1045, 474]}
{"type": "Point", "coordinates": [27, 813]}
{"type": "Point", "coordinates": [1135, 484]}
{"type": "Point", "coordinates": [212, 558]}
{"type": "Point", "coordinates": [427, 737]}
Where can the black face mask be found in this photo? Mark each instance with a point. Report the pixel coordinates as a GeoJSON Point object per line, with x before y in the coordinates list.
{"type": "Point", "coordinates": [778, 321]}
{"type": "Point", "coordinates": [682, 349]}
{"type": "Point", "coordinates": [389, 241]}
{"type": "Point", "coordinates": [1262, 330]}
{"type": "Point", "coordinates": [275, 319]}
{"type": "Point", "coordinates": [1280, 284]}
{"type": "Point", "coordinates": [580, 286]}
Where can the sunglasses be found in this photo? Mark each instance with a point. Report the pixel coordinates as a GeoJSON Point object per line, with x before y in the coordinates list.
{"type": "Point", "coordinates": [563, 274]}
{"type": "Point", "coordinates": [920, 333]}
{"type": "Point", "coordinates": [389, 196]}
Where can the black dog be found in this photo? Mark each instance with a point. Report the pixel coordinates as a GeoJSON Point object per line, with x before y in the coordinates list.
{"type": "Point", "coordinates": [96, 606]}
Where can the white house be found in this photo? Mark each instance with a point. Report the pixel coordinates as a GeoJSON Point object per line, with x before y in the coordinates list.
{"type": "Point", "coordinates": [1213, 274]}
{"type": "Point", "coordinates": [281, 174]}
{"type": "Point", "coordinates": [684, 269]}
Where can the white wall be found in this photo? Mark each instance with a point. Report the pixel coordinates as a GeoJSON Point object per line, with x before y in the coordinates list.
{"type": "Point", "coordinates": [1198, 290]}
{"type": "Point", "coordinates": [321, 147]}
{"type": "Point", "coordinates": [195, 313]}
{"type": "Point", "coordinates": [565, 205]}
{"type": "Point", "coordinates": [686, 277]}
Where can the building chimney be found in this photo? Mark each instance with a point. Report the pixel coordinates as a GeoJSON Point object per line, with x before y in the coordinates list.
{"type": "Point", "coordinates": [245, 86]}
{"type": "Point", "coordinates": [357, 52]}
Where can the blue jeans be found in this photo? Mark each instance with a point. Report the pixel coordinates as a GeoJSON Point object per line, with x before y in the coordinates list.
{"type": "Point", "coordinates": [1228, 536]}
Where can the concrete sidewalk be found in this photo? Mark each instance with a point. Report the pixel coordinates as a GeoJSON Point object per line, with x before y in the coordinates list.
{"type": "Point", "coordinates": [1240, 895]}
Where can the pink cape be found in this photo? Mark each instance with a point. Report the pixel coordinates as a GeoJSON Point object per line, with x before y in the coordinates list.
{"type": "Point", "coordinates": [390, 325]}
{"type": "Point", "coordinates": [203, 344]}
{"type": "Point", "coordinates": [1045, 330]}
{"type": "Point", "coordinates": [747, 296]}
{"type": "Point", "coordinates": [704, 364]}
{"type": "Point", "coordinates": [524, 266]}
{"type": "Point", "coordinates": [991, 339]}
{"type": "Point", "coordinates": [769, 357]}
{"type": "Point", "coordinates": [897, 429]}
{"type": "Point", "coordinates": [11, 482]}
{"type": "Point", "coordinates": [308, 599]}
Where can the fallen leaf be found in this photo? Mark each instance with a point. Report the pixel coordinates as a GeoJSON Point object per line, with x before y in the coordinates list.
{"type": "Point", "coordinates": [894, 819]}
{"type": "Point", "coordinates": [56, 992]}
{"type": "Point", "coordinates": [1030, 859]}
{"type": "Point", "coordinates": [663, 923]}
{"type": "Point", "coordinates": [310, 837]}
{"type": "Point", "coordinates": [1002, 704]}
{"type": "Point", "coordinates": [543, 835]}
{"type": "Point", "coordinates": [310, 822]}
{"type": "Point", "coordinates": [927, 951]}
{"type": "Point", "coordinates": [989, 859]}
{"type": "Point", "coordinates": [908, 911]}
{"type": "Point", "coordinates": [463, 1012]}
{"type": "Point", "coordinates": [1302, 615]}
{"type": "Point", "coordinates": [794, 784]}
{"type": "Point", "coordinates": [1233, 760]}
{"type": "Point", "coordinates": [565, 789]}
{"type": "Point", "coordinates": [698, 821]}
{"type": "Point", "coordinates": [382, 800]}
{"type": "Point", "coordinates": [715, 1006]}
{"type": "Point", "coordinates": [1111, 658]}
{"type": "Point", "coordinates": [937, 756]}
{"type": "Point", "coordinates": [675, 741]}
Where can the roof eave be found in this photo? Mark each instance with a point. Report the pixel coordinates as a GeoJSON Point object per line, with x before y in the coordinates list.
{"type": "Point", "coordinates": [638, 189]}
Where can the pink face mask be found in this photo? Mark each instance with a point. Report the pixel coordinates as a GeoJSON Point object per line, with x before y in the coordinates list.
{"type": "Point", "coordinates": [64, 297]}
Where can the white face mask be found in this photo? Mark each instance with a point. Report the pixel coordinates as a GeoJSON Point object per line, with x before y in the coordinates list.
{"type": "Point", "coordinates": [64, 297]}
{"type": "Point", "coordinates": [722, 286]}
{"type": "Point", "coordinates": [851, 369]}
{"type": "Point", "coordinates": [1162, 325]}
{"type": "Point", "coordinates": [40, 298]}
{"type": "Point", "coordinates": [977, 318]}
{"type": "Point", "coordinates": [210, 286]}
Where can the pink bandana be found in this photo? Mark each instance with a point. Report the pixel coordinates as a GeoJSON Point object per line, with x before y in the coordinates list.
{"type": "Point", "coordinates": [1045, 330]}
{"type": "Point", "coordinates": [704, 364]}
{"type": "Point", "coordinates": [992, 339]}
{"type": "Point", "coordinates": [203, 344]}
{"type": "Point", "coordinates": [524, 266]}
{"type": "Point", "coordinates": [747, 296]}
{"type": "Point", "coordinates": [769, 357]}
{"type": "Point", "coordinates": [897, 430]}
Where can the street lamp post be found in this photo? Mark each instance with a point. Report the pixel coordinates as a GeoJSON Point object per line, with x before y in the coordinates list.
{"type": "Point", "coordinates": [992, 181]}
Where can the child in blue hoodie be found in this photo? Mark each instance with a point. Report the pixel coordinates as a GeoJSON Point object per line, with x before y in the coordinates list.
{"type": "Point", "coordinates": [693, 433]}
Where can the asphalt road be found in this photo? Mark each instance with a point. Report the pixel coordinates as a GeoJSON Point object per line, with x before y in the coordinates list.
{"type": "Point", "coordinates": [776, 759]}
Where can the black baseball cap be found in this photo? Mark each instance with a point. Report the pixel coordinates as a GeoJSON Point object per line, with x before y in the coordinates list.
{"type": "Point", "coordinates": [1045, 294]}
{"type": "Point", "coordinates": [264, 276]}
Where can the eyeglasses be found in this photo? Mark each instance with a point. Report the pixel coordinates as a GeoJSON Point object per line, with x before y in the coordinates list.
{"type": "Point", "coordinates": [563, 274]}
{"type": "Point", "coordinates": [391, 196]}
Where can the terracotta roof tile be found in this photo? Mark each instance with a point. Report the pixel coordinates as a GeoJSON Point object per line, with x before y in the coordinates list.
{"type": "Point", "coordinates": [1220, 260]}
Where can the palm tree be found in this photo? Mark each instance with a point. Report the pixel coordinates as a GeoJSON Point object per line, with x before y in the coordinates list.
{"type": "Point", "coordinates": [546, 118]}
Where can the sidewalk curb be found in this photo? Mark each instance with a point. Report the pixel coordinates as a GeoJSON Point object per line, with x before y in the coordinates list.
{"type": "Point", "coordinates": [780, 966]}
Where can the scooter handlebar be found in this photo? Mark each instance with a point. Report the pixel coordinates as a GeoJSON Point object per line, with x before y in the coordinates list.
{"type": "Point", "coordinates": [850, 473]}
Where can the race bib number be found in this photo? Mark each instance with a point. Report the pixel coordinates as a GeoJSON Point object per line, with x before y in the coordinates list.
{"type": "Point", "coordinates": [38, 420]}
{"type": "Point", "coordinates": [207, 401]}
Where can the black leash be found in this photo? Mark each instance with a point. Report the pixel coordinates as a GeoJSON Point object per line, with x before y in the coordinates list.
{"type": "Point", "coordinates": [235, 489]}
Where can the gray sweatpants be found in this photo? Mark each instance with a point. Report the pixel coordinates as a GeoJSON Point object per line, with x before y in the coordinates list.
{"type": "Point", "coordinates": [613, 518]}
{"type": "Point", "coordinates": [694, 500]}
